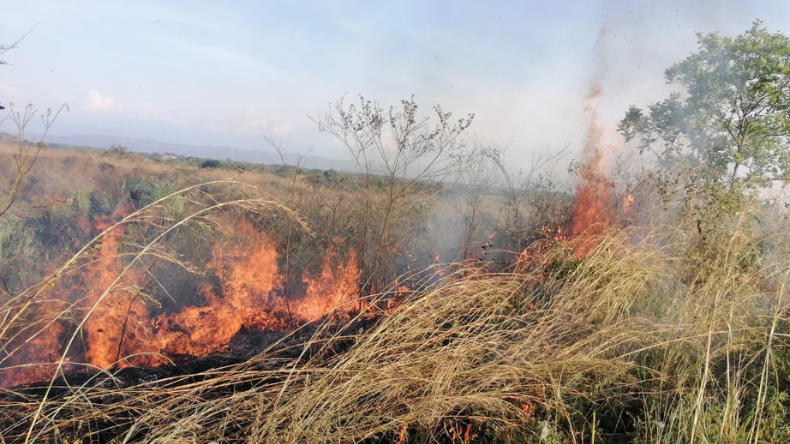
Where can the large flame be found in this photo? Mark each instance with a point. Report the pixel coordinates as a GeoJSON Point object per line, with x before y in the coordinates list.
{"type": "Point", "coordinates": [249, 275]}
{"type": "Point", "coordinates": [114, 304]}
{"type": "Point", "coordinates": [595, 209]}
{"type": "Point", "coordinates": [120, 330]}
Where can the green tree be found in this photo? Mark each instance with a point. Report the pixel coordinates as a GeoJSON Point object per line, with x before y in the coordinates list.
{"type": "Point", "coordinates": [732, 118]}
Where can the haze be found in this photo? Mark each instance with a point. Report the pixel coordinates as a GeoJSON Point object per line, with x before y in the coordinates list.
{"type": "Point", "coordinates": [214, 73]}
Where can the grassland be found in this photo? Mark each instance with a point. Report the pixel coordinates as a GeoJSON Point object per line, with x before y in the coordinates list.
{"type": "Point", "coordinates": [671, 327]}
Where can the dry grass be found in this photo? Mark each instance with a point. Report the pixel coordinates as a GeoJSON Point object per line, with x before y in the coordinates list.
{"type": "Point", "coordinates": [640, 342]}
{"type": "Point", "coordinates": [658, 335]}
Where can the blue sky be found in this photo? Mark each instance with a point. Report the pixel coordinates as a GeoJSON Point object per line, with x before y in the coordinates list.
{"type": "Point", "coordinates": [226, 73]}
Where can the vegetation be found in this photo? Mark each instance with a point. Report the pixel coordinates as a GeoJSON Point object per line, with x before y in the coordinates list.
{"type": "Point", "coordinates": [400, 307]}
{"type": "Point", "coordinates": [732, 117]}
{"type": "Point", "coordinates": [399, 154]}
{"type": "Point", "coordinates": [26, 152]}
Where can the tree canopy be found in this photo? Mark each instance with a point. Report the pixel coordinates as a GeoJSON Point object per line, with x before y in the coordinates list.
{"type": "Point", "coordinates": [732, 116]}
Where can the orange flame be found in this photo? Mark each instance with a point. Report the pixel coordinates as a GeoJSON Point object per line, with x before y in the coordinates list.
{"type": "Point", "coordinates": [595, 208]}
{"type": "Point", "coordinates": [42, 351]}
{"type": "Point", "coordinates": [336, 286]}
{"type": "Point", "coordinates": [248, 274]}
{"type": "Point", "coordinates": [121, 331]}
{"type": "Point", "coordinates": [113, 329]}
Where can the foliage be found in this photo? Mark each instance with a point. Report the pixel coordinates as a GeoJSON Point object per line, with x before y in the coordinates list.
{"type": "Point", "coordinates": [621, 342]}
{"type": "Point", "coordinates": [211, 163]}
{"type": "Point", "coordinates": [117, 150]}
{"type": "Point", "coordinates": [657, 334]}
{"type": "Point", "coordinates": [732, 119]}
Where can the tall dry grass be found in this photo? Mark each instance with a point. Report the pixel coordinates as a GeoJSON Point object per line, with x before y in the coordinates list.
{"type": "Point", "coordinates": [656, 336]}
{"type": "Point", "coordinates": [52, 310]}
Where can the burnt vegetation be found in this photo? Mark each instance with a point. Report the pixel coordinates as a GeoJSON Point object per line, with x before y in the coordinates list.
{"type": "Point", "coordinates": [431, 295]}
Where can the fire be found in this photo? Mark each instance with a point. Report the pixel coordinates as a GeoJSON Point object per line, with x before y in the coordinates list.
{"type": "Point", "coordinates": [39, 337]}
{"type": "Point", "coordinates": [595, 209]}
{"type": "Point", "coordinates": [249, 276]}
{"type": "Point", "coordinates": [336, 286]}
{"type": "Point", "coordinates": [43, 349]}
{"type": "Point", "coordinates": [121, 328]}
{"type": "Point", "coordinates": [117, 303]}
{"type": "Point", "coordinates": [250, 296]}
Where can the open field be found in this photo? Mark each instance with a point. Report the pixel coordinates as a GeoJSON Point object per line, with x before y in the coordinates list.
{"type": "Point", "coordinates": [653, 330]}
{"type": "Point", "coordinates": [433, 296]}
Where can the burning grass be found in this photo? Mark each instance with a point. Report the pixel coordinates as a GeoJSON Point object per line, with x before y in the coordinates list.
{"type": "Point", "coordinates": [676, 333]}
{"type": "Point", "coordinates": [100, 303]}
{"type": "Point", "coordinates": [635, 342]}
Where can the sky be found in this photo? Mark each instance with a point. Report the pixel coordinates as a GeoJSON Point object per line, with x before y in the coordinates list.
{"type": "Point", "coordinates": [229, 73]}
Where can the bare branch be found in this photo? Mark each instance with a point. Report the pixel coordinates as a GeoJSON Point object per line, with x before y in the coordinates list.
{"type": "Point", "coordinates": [5, 48]}
{"type": "Point", "coordinates": [27, 152]}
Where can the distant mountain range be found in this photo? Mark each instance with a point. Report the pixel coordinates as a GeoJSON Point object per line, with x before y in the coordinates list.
{"type": "Point", "coordinates": [205, 151]}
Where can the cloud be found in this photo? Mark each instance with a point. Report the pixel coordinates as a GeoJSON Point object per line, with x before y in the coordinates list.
{"type": "Point", "coordinates": [258, 124]}
{"type": "Point", "coordinates": [281, 130]}
{"type": "Point", "coordinates": [8, 92]}
{"type": "Point", "coordinates": [63, 98]}
{"type": "Point", "coordinates": [99, 102]}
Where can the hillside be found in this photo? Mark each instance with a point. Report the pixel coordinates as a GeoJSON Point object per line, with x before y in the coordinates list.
{"type": "Point", "coordinates": [259, 156]}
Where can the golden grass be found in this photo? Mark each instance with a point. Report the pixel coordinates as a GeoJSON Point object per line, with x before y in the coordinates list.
{"type": "Point", "coordinates": [656, 336]}
{"type": "Point", "coordinates": [655, 346]}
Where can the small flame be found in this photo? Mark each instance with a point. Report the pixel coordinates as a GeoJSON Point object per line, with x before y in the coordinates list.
{"type": "Point", "coordinates": [336, 286]}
